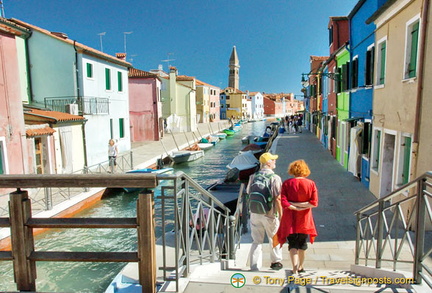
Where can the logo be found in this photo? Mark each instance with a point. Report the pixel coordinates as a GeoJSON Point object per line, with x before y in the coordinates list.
{"type": "Point", "coordinates": [238, 280]}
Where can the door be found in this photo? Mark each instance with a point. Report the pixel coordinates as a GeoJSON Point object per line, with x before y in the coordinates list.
{"type": "Point", "coordinates": [39, 155]}
{"type": "Point", "coordinates": [388, 157]}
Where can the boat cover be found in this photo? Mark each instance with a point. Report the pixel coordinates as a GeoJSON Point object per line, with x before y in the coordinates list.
{"type": "Point", "coordinates": [244, 161]}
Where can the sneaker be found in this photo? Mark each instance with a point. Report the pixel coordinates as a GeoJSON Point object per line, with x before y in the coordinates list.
{"type": "Point", "coordinates": [276, 266]}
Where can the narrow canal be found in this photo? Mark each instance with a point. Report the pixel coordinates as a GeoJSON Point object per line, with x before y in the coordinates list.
{"type": "Point", "coordinates": [95, 277]}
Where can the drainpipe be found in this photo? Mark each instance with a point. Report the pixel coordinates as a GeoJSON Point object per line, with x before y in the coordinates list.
{"type": "Point", "coordinates": [80, 105]}
{"type": "Point", "coordinates": [420, 81]}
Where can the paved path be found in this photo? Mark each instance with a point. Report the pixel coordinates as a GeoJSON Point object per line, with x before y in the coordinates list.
{"type": "Point", "coordinates": [331, 256]}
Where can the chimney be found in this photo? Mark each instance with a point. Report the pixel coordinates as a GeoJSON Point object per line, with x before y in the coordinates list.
{"type": "Point", "coordinates": [121, 56]}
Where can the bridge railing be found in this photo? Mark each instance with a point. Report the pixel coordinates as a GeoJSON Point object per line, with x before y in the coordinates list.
{"type": "Point", "coordinates": [197, 238]}
{"type": "Point", "coordinates": [394, 232]}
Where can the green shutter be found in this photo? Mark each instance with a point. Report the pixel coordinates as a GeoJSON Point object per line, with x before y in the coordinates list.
{"type": "Point", "coordinates": [121, 127]}
{"type": "Point", "coordinates": [412, 67]}
{"type": "Point", "coordinates": [107, 79]}
{"type": "Point", "coordinates": [120, 81]}
{"type": "Point", "coordinates": [378, 148]}
{"type": "Point", "coordinates": [89, 70]}
{"type": "Point", "coordinates": [1, 159]}
{"type": "Point", "coordinates": [407, 159]}
{"type": "Point", "coordinates": [382, 64]}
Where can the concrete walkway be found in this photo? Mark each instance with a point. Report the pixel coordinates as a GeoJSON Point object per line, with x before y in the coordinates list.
{"type": "Point", "coordinates": [332, 254]}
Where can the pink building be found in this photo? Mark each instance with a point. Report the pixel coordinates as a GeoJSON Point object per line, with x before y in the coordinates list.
{"type": "Point", "coordinates": [145, 107]}
{"type": "Point", "coordinates": [13, 145]}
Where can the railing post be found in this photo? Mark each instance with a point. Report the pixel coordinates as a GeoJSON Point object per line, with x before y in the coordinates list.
{"type": "Point", "coordinates": [231, 242]}
{"type": "Point", "coordinates": [420, 230]}
{"type": "Point", "coordinates": [358, 239]}
{"type": "Point", "coordinates": [185, 227]}
{"type": "Point", "coordinates": [131, 160]}
{"type": "Point", "coordinates": [212, 231]}
{"type": "Point", "coordinates": [22, 241]}
{"type": "Point", "coordinates": [379, 240]}
{"type": "Point", "coordinates": [48, 198]}
{"type": "Point", "coordinates": [146, 242]}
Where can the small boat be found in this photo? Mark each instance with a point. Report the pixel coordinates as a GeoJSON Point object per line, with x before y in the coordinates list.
{"type": "Point", "coordinates": [246, 163]}
{"type": "Point", "coordinates": [186, 156]}
{"type": "Point", "coordinates": [221, 135]}
{"type": "Point", "coordinates": [214, 139]}
{"type": "Point", "coordinates": [146, 170]}
{"type": "Point", "coordinates": [205, 146]}
{"type": "Point", "coordinates": [229, 132]}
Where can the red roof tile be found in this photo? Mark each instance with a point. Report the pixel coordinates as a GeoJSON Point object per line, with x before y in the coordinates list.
{"type": "Point", "coordinates": [133, 72]}
{"type": "Point", "coordinates": [57, 116]}
{"type": "Point", "coordinates": [39, 131]}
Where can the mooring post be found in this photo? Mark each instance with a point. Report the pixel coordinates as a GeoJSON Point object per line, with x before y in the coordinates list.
{"type": "Point", "coordinates": [22, 241]}
{"type": "Point", "coordinates": [146, 242]}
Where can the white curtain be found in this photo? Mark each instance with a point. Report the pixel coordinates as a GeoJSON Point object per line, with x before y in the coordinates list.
{"type": "Point", "coordinates": [66, 145]}
{"type": "Point", "coordinates": [354, 161]}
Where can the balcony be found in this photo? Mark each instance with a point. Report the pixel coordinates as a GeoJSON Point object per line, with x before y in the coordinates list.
{"type": "Point", "coordinates": [85, 105]}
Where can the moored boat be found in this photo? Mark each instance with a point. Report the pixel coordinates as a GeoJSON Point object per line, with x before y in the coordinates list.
{"type": "Point", "coordinates": [229, 132]}
{"type": "Point", "coordinates": [186, 156]}
{"type": "Point", "coordinates": [246, 163]}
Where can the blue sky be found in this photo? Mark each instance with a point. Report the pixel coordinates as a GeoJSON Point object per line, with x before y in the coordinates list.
{"type": "Point", "coordinates": [274, 38]}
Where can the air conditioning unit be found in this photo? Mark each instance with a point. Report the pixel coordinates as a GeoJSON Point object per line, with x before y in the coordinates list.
{"type": "Point", "coordinates": [72, 109]}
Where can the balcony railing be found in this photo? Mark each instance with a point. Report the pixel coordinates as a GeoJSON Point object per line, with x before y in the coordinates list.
{"type": "Point", "coordinates": [85, 105]}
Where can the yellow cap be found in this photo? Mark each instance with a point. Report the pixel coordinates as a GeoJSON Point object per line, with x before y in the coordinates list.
{"type": "Point", "coordinates": [264, 158]}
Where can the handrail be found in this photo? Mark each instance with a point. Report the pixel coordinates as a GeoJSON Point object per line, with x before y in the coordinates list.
{"type": "Point", "coordinates": [394, 226]}
{"type": "Point", "coordinates": [194, 240]}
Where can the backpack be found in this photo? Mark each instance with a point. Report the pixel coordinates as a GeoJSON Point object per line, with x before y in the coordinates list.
{"type": "Point", "coordinates": [260, 197]}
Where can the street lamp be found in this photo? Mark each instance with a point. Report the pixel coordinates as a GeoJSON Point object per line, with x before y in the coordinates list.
{"type": "Point", "coordinates": [305, 77]}
{"type": "Point", "coordinates": [100, 35]}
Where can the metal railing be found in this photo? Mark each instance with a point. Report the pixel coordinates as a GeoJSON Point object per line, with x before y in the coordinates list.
{"type": "Point", "coordinates": [86, 105]}
{"type": "Point", "coordinates": [43, 199]}
{"type": "Point", "coordinates": [202, 229]}
{"type": "Point", "coordinates": [394, 231]}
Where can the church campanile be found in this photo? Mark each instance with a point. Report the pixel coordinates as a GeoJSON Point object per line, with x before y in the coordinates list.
{"type": "Point", "coordinates": [233, 79]}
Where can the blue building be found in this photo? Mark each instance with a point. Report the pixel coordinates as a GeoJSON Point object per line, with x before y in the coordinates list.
{"type": "Point", "coordinates": [362, 39]}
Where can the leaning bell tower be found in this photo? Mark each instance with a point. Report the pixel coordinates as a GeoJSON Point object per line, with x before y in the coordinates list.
{"type": "Point", "coordinates": [234, 65]}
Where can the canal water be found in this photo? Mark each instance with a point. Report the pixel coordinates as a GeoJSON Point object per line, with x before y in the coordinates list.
{"type": "Point", "coordinates": [95, 277]}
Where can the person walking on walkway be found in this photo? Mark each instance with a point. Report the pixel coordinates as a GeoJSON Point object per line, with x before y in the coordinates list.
{"type": "Point", "coordinates": [298, 196]}
{"type": "Point", "coordinates": [112, 155]}
{"type": "Point", "coordinates": [264, 211]}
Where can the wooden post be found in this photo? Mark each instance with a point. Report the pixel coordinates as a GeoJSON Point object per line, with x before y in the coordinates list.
{"type": "Point", "coordinates": [146, 242]}
{"type": "Point", "coordinates": [22, 241]}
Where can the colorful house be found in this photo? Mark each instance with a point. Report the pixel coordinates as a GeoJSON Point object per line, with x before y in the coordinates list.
{"type": "Point", "coordinates": [73, 78]}
{"type": "Point", "coordinates": [395, 94]}
{"type": "Point", "coordinates": [145, 106]}
{"type": "Point", "coordinates": [58, 140]}
{"type": "Point", "coordinates": [257, 105]}
{"type": "Point", "coordinates": [208, 105]}
{"type": "Point", "coordinates": [362, 40]}
{"type": "Point", "coordinates": [179, 102]}
{"type": "Point", "coordinates": [236, 106]}
{"type": "Point", "coordinates": [343, 106]}
{"type": "Point", "coordinates": [15, 156]}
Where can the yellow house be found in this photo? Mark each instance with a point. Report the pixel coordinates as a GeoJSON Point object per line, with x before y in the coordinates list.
{"type": "Point", "coordinates": [236, 103]}
{"type": "Point", "coordinates": [179, 102]}
{"type": "Point", "coordinates": [395, 94]}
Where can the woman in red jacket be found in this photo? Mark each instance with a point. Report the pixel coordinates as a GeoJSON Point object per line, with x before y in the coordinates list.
{"type": "Point", "coordinates": [298, 196]}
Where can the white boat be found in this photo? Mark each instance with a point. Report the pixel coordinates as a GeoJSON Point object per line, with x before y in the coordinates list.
{"type": "Point", "coordinates": [221, 135]}
{"type": "Point", "coordinates": [205, 146]}
{"type": "Point", "coordinates": [186, 156]}
{"type": "Point", "coordinates": [246, 163]}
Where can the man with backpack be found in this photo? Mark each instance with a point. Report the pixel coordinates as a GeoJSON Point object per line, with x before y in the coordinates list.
{"type": "Point", "coordinates": [265, 211]}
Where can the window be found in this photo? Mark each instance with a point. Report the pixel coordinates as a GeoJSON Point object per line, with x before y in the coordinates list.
{"type": "Point", "coordinates": [119, 81]}
{"type": "Point", "coordinates": [345, 77]}
{"type": "Point", "coordinates": [354, 74]}
{"type": "Point", "coordinates": [330, 35]}
{"type": "Point", "coordinates": [2, 157]}
{"type": "Point", "coordinates": [107, 79]}
{"type": "Point", "coordinates": [411, 50]}
{"type": "Point", "coordinates": [89, 70]}
{"type": "Point", "coordinates": [338, 82]}
{"type": "Point", "coordinates": [369, 66]}
{"type": "Point", "coordinates": [376, 149]}
{"type": "Point", "coordinates": [381, 62]}
{"type": "Point", "coordinates": [121, 128]}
